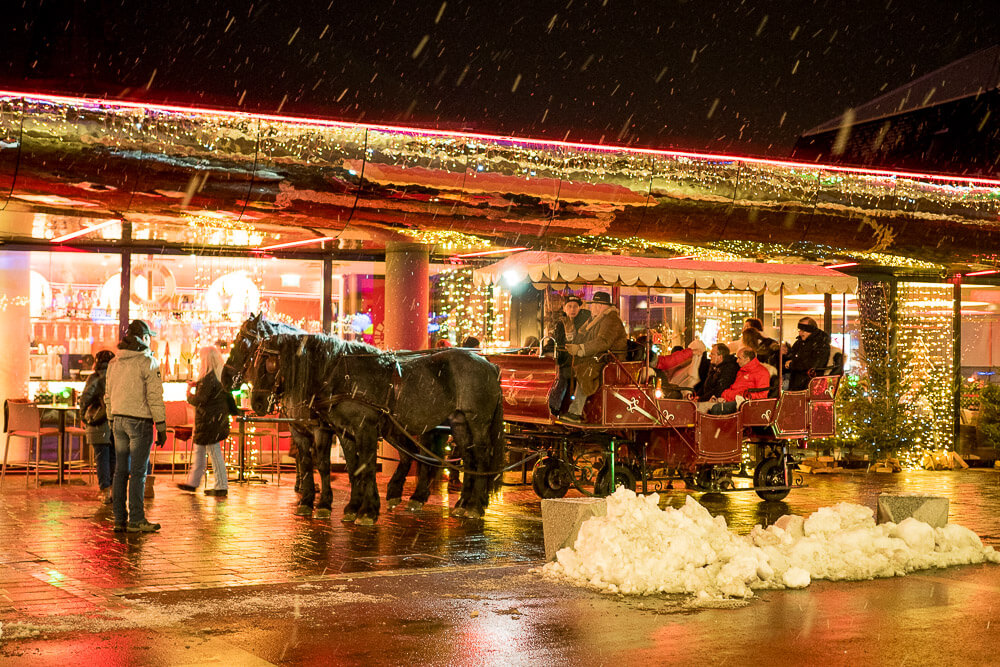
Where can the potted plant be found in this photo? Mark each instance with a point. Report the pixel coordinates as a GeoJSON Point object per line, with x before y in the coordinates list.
{"type": "Point", "coordinates": [988, 426]}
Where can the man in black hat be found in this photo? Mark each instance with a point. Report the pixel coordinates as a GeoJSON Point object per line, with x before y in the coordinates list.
{"type": "Point", "coordinates": [810, 351]}
{"type": "Point", "coordinates": [134, 400]}
{"type": "Point", "coordinates": [605, 332]}
{"type": "Point", "coordinates": [573, 317]}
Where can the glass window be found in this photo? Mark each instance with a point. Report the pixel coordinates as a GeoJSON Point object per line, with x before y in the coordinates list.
{"type": "Point", "coordinates": [195, 301]}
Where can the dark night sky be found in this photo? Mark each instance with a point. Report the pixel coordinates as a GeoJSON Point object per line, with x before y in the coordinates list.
{"type": "Point", "coordinates": [717, 75]}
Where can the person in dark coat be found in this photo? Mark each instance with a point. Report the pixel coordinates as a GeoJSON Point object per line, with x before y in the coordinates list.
{"type": "Point", "coordinates": [212, 407]}
{"type": "Point", "coordinates": [95, 415]}
{"type": "Point", "coordinates": [573, 316]}
{"type": "Point", "coordinates": [810, 352]}
{"type": "Point", "coordinates": [722, 371]}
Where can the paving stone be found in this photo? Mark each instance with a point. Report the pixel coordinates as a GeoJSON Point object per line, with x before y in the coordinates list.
{"type": "Point", "coordinates": [931, 510]}
{"type": "Point", "coordinates": [562, 517]}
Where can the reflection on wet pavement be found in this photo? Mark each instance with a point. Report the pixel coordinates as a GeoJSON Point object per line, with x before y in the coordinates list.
{"type": "Point", "coordinates": [59, 556]}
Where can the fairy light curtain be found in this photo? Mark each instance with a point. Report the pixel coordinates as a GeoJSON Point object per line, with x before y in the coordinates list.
{"type": "Point", "coordinates": [925, 335]}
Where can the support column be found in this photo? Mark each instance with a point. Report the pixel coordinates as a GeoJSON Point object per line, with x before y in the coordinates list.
{"type": "Point", "coordinates": [407, 296]}
{"type": "Point", "coordinates": [126, 295]}
{"type": "Point", "coordinates": [15, 333]}
{"type": "Point", "coordinates": [407, 300]}
{"type": "Point", "coordinates": [957, 359]}
{"type": "Point", "coordinates": [327, 313]}
{"type": "Point", "coordinates": [690, 321]}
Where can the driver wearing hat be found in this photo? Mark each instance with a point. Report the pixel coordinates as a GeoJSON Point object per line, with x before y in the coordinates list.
{"type": "Point", "coordinates": [604, 332]}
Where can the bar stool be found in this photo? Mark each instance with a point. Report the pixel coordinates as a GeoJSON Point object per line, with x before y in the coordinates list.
{"type": "Point", "coordinates": [79, 432]}
{"type": "Point", "coordinates": [274, 434]}
{"type": "Point", "coordinates": [179, 427]}
{"type": "Point", "coordinates": [18, 422]}
{"type": "Point", "coordinates": [23, 419]}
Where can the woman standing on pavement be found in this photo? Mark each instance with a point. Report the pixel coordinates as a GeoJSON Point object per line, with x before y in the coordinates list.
{"type": "Point", "coordinates": [134, 399]}
{"type": "Point", "coordinates": [212, 407]}
{"type": "Point", "coordinates": [95, 416]}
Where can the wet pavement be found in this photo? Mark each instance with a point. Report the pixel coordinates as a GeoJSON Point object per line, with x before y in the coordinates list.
{"type": "Point", "coordinates": [242, 580]}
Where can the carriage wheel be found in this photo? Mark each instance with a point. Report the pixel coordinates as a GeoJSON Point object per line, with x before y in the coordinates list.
{"type": "Point", "coordinates": [770, 472]}
{"type": "Point", "coordinates": [624, 476]}
{"type": "Point", "coordinates": [550, 479]}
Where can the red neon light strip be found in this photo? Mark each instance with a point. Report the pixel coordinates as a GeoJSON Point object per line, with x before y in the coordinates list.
{"type": "Point", "coordinates": [841, 266]}
{"type": "Point", "coordinates": [983, 273]}
{"type": "Point", "coordinates": [81, 232]}
{"type": "Point", "coordinates": [292, 244]}
{"type": "Point", "coordinates": [811, 166]}
{"type": "Point", "coordinates": [490, 252]}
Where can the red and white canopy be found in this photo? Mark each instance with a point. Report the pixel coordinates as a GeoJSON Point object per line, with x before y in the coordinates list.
{"type": "Point", "coordinates": [560, 268]}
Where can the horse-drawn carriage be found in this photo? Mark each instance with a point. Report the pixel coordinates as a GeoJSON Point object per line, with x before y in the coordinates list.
{"type": "Point", "coordinates": [631, 434]}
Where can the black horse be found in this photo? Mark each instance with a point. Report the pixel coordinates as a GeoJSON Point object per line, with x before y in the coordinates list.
{"type": "Point", "coordinates": [363, 394]}
{"type": "Point", "coordinates": [314, 441]}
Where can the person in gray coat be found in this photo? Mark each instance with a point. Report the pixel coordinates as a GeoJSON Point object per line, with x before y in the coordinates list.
{"type": "Point", "coordinates": [95, 415]}
{"type": "Point", "coordinates": [134, 396]}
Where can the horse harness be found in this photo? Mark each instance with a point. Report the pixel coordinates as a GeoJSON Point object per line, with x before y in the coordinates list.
{"type": "Point", "coordinates": [320, 406]}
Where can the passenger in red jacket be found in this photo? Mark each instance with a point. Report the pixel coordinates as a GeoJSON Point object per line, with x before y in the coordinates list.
{"type": "Point", "coordinates": [752, 381]}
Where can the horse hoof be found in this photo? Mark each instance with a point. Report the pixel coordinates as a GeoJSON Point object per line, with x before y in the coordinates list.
{"type": "Point", "coordinates": [415, 506]}
{"type": "Point", "coordinates": [393, 503]}
{"type": "Point", "coordinates": [303, 510]}
{"type": "Point", "coordinates": [365, 521]}
{"type": "Point", "coordinates": [323, 513]}
{"type": "Point", "coordinates": [457, 511]}
{"type": "Point", "coordinates": [349, 517]}
{"type": "Point", "coordinates": [471, 513]}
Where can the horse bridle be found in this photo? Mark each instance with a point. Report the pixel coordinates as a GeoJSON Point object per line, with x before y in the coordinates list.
{"type": "Point", "coordinates": [238, 372]}
{"type": "Point", "coordinates": [272, 366]}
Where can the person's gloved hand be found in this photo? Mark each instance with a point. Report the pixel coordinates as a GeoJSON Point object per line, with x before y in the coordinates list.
{"type": "Point", "coordinates": [572, 348]}
{"type": "Point", "coordinates": [161, 433]}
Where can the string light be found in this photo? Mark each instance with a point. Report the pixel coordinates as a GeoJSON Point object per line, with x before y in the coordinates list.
{"type": "Point", "coordinates": [220, 230]}
{"type": "Point", "coordinates": [16, 302]}
{"type": "Point", "coordinates": [461, 306]}
{"type": "Point", "coordinates": [447, 241]}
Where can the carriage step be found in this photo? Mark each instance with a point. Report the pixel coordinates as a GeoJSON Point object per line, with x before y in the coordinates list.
{"type": "Point", "coordinates": [740, 489]}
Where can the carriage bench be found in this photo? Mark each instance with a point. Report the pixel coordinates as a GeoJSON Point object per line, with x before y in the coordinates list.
{"type": "Point", "coordinates": [562, 518]}
{"type": "Point", "coordinates": [932, 510]}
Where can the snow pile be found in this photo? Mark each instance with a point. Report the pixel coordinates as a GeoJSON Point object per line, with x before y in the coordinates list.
{"type": "Point", "coordinates": [637, 548]}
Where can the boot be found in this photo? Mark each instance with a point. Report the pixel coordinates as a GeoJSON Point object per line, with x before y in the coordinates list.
{"type": "Point", "coordinates": [149, 486]}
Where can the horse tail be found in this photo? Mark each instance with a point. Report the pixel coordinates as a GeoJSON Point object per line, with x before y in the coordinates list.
{"type": "Point", "coordinates": [498, 447]}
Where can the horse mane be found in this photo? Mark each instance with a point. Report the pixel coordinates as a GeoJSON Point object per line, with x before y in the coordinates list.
{"type": "Point", "coordinates": [252, 331]}
{"type": "Point", "coordinates": [317, 364]}
{"type": "Point", "coordinates": [258, 326]}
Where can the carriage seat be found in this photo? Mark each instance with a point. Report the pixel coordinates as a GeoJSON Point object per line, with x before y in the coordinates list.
{"type": "Point", "coordinates": [621, 372]}
{"type": "Point", "coordinates": [823, 387]}
{"type": "Point", "coordinates": [759, 411]}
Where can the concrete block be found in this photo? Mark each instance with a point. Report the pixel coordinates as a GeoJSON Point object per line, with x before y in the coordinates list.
{"type": "Point", "coordinates": [562, 517]}
{"type": "Point", "coordinates": [932, 510]}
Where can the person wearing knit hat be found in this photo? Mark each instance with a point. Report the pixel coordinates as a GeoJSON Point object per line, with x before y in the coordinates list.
{"type": "Point", "coordinates": [134, 400]}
